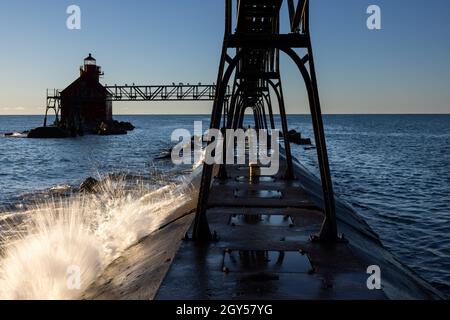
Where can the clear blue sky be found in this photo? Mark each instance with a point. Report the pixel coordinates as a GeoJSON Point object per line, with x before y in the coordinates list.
{"type": "Point", "coordinates": [403, 68]}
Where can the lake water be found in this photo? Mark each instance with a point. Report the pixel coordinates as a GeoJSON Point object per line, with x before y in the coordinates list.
{"type": "Point", "coordinates": [395, 170]}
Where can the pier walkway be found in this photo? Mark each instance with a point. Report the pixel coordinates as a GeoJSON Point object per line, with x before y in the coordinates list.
{"type": "Point", "coordinates": [264, 249]}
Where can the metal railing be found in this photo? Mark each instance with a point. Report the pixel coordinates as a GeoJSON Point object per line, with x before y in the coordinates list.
{"type": "Point", "coordinates": [174, 92]}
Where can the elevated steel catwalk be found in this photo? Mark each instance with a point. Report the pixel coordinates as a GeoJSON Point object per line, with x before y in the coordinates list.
{"type": "Point", "coordinates": [254, 60]}
{"type": "Point", "coordinates": [180, 92]}
{"type": "Point", "coordinates": [174, 92]}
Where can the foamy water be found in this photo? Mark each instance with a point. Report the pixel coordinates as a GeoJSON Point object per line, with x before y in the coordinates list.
{"type": "Point", "coordinates": [80, 234]}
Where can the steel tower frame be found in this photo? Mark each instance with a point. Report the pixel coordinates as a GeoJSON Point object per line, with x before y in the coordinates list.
{"type": "Point", "coordinates": [257, 42]}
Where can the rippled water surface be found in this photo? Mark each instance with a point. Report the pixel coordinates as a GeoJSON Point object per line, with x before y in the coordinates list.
{"type": "Point", "coordinates": [395, 170]}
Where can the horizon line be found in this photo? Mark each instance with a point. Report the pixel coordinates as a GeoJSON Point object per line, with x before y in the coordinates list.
{"type": "Point", "coordinates": [289, 114]}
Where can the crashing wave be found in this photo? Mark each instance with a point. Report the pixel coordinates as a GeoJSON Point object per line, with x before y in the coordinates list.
{"type": "Point", "coordinates": [84, 232]}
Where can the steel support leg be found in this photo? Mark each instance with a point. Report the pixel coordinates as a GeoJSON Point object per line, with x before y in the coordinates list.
{"type": "Point", "coordinates": [328, 232]}
{"type": "Point", "coordinates": [284, 126]}
{"type": "Point", "coordinates": [201, 229]}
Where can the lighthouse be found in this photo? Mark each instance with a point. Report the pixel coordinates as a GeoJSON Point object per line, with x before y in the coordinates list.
{"type": "Point", "coordinates": [85, 103]}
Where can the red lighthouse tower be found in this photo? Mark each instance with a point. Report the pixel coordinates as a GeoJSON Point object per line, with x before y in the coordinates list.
{"type": "Point", "coordinates": [86, 104]}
